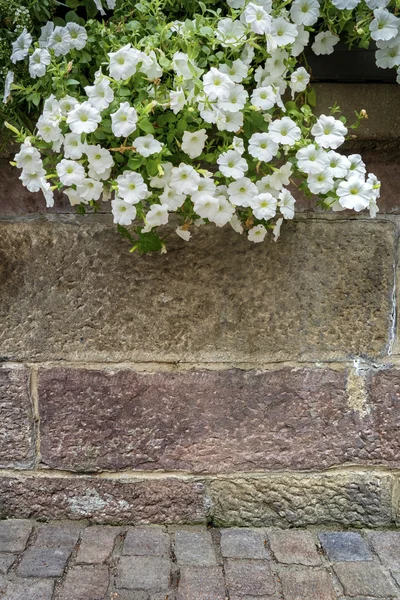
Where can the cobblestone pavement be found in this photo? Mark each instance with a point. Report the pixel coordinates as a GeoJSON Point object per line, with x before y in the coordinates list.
{"type": "Point", "coordinates": [74, 561]}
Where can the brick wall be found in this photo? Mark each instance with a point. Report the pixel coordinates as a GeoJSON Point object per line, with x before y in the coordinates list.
{"type": "Point", "coordinates": [222, 382]}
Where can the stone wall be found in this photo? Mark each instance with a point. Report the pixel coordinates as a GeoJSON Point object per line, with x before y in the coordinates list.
{"type": "Point", "coordinates": [222, 382]}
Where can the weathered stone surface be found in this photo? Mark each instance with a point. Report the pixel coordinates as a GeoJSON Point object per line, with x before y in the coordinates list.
{"type": "Point", "coordinates": [365, 579]}
{"type": "Point", "coordinates": [6, 560]}
{"type": "Point", "coordinates": [150, 573]}
{"type": "Point", "coordinates": [201, 583]}
{"type": "Point", "coordinates": [215, 421]}
{"type": "Point", "coordinates": [85, 583]}
{"type": "Point", "coordinates": [73, 291]}
{"type": "Point", "coordinates": [302, 583]}
{"type": "Point", "coordinates": [58, 536]}
{"type": "Point", "coordinates": [16, 432]}
{"type": "Point", "coordinates": [377, 99]}
{"type": "Point", "coordinates": [194, 548]}
{"type": "Point", "coordinates": [387, 546]}
{"type": "Point", "coordinates": [243, 543]}
{"type": "Point", "coordinates": [249, 577]}
{"type": "Point", "coordinates": [344, 546]}
{"type": "Point", "coordinates": [97, 544]}
{"type": "Point", "coordinates": [102, 501]}
{"type": "Point", "coordinates": [348, 498]}
{"type": "Point", "coordinates": [146, 541]}
{"type": "Point", "coordinates": [34, 589]}
{"type": "Point", "coordinates": [294, 547]}
{"type": "Point", "coordinates": [14, 535]}
{"type": "Point", "coordinates": [43, 562]}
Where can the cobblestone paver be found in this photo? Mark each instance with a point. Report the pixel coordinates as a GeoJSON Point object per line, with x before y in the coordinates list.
{"type": "Point", "coordinates": [79, 561]}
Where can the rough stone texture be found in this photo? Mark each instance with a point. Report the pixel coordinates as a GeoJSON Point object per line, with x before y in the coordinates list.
{"type": "Point", "coordinates": [102, 501]}
{"type": "Point", "coordinates": [377, 99]}
{"type": "Point", "coordinates": [387, 546]}
{"type": "Point", "coordinates": [85, 583]}
{"type": "Point", "coordinates": [6, 560]}
{"type": "Point", "coordinates": [365, 579]}
{"type": "Point", "coordinates": [348, 498]}
{"type": "Point", "coordinates": [306, 584]}
{"type": "Point", "coordinates": [243, 543]}
{"type": "Point", "coordinates": [249, 577]}
{"type": "Point", "coordinates": [206, 421]}
{"type": "Point", "coordinates": [294, 547]}
{"type": "Point", "coordinates": [194, 548]}
{"type": "Point", "coordinates": [34, 589]}
{"type": "Point", "coordinates": [146, 541]}
{"type": "Point", "coordinates": [150, 573]}
{"type": "Point", "coordinates": [216, 421]}
{"type": "Point", "coordinates": [201, 583]}
{"type": "Point", "coordinates": [58, 536]}
{"type": "Point", "coordinates": [331, 280]}
{"type": "Point", "coordinates": [345, 546]}
{"type": "Point", "coordinates": [97, 544]}
{"type": "Point", "coordinates": [14, 535]}
{"type": "Point", "coordinates": [16, 432]}
{"type": "Point", "coordinates": [43, 562]}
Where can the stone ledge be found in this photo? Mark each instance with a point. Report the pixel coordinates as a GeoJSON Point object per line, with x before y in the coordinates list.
{"type": "Point", "coordinates": [343, 498]}
{"type": "Point", "coordinates": [74, 292]}
{"type": "Point", "coordinates": [205, 421]}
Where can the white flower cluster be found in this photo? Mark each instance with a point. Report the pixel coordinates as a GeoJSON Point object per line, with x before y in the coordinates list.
{"type": "Point", "coordinates": [252, 189]}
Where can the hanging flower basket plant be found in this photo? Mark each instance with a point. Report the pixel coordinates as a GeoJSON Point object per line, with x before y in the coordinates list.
{"type": "Point", "coordinates": [203, 109]}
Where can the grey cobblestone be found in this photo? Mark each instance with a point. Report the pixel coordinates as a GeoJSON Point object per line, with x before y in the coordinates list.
{"type": "Point", "coordinates": [77, 561]}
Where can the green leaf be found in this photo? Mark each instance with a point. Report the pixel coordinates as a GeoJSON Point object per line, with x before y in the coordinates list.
{"type": "Point", "coordinates": [148, 242]}
{"type": "Point", "coordinates": [167, 117]}
{"type": "Point", "coordinates": [72, 82]}
{"type": "Point", "coordinates": [312, 97]}
{"type": "Point", "coordinates": [146, 126]}
{"type": "Point", "coordinates": [125, 233]}
{"type": "Point", "coordinates": [124, 91]}
{"type": "Point", "coordinates": [72, 17]}
{"type": "Point", "coordinates": [72, 3]}
{"type": "Point", "coordinates": [134, 163]}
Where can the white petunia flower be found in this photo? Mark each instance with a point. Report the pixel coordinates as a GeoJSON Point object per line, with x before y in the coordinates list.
{"type": "Point", "coordinates": [193, 142]}
{"type": "Point", "coordinates": [33, 180]}
{"type": "Point", "coordinates": [78, 35]}
{"type": "Point", "coordinates": [172, 198]}
{"type": "Point", "coordinates": [66, 104]}
{"type": "Point", "coordinates": [231, 164]}
{"type": "Point", "coordinates": [99, 176]}
{"type": "Point", "coordinates": [224, 212]}
{"type": "Point", "coordinates": [286, 204]}
{"type": "Point", "coordinates": [52, 109]}
{"type": "Point", "coordinates": [264, 97]}
{"type": "Point", "coordinates": [236, 224]}
{"type": "Point", "coordinates": [300, 42]}
{"type": "Point", "coordinates": [157, 215]}
{"type": "Point", "coordinates": [70, 172]}
{"type": "Point", "coordinates": [357, 166]}
{"type": "Point", "coordinates": [20, 48]}
{"type": "Point", "coordinates": [162, 179]}
{"type": "Point", "coordinates": [60, 41]}
{"type": "Point", "coordinates": [264, 186]}
{"type": "Point", "coordinates": [242, 192]}
{"type": "Point", "coordinates": [338, 165]}
{"type": "Point", "coordinates": [73, 197]}
{"type": "Point", "coordinates": [47, 193]}
{"type": "Point", "coordinates": [45, 35]}
{"type": "Point", "coordinates": [146, 145]}
{"type": "Point", "coordinates": [237, 72]}
{"type": "Point", "coordinates": [354, 193]}
{"type": "Point", "coordinates": [235, 100]}
{"type": "Point", "coordinates": [150, 66]}
{"type": "Point", "coordinates": [305, 12]}
{"type": "Point", "coordinates": [258, 19]}
{"type": "Point", "coordinates": [216, 84]}
{"type": "Point", "coordinates": [206, 187]}
{"type": "Point", "coordinates": [372, 4]}
{"type": "Point", "coordinates": [7, 86]}
{"type": "Point", "coordinates": [100, 94]}
{"type": "Point", "coordinates": [28, 158]}
{"type": "Point", "coordinates": [131, 187]}
{"type": "Point", "coordinates": [177, 100]}
{"type": "Point", "coordinates": [283, 32]}
{"type": "Point", "coordinates": [284, 131]}
{"type": "Point", "coordinates": [99, 158]}
{"type": "Point", "coordinates": [281, 176]}
{"type": "Point", "coordinates": [388, 57]}
{"type": "Point", "coordinates": [183, 233]}
{"type": "Point", "coordinates": [48, 129]}
{"type": "Point", "coordinates": [123, 62]}
{"type": "Point", "coordinates": [38, 62]}
{"type": "Point", "coordinates": [312, 159]}
{"type": "Point", "coordinates": [73, 147]}
{"type": "Point", "coordinates": [276, 232]}
{"type": "Point", "coordinates": [123, 212]}
{"type": "Point", "coordinates": [247, 55]}
{"type": "Point", "coordinates": [231, 34]}
{"type": "Point", "coordinates": [257, 234]}
{"type": "Point", "coordinates": [206, 207]}
{"type": "Point", "coordinates": [384, 26]}
{"type": "Point", "coordinates": [262, 146]}
{"type": "Point", "coordinates": [324, 43]}
{"type": "Point", "coordinates": [84, 118]}
{"type": "Point", "coordinates": [299, 80]}
{"type": "Point", "coordinates": [329, 132]}
{"type": "Point", "coordinates": [345, 4]}
{"type": "Point", "coordinates": [229, 121]}
{"type": "Point", "coordinates": [264, 206]}
{"type": "Point", "coordinates": [320, 183]}
{"type": "Point", "coordinates": [90, 189]}
{"type": "Point", "coordinates": [238, 145]}
{"type": "Point", "coordinates": [184, 179]}
{"type": "Point", "coordinates": [183, 66]}
{"type": "Point", "coordinates": [123, 121]}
